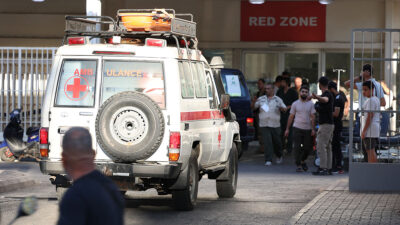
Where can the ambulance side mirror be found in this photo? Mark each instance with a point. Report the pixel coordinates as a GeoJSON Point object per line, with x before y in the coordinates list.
{"type": "Point", "coordinates": [225, 99]}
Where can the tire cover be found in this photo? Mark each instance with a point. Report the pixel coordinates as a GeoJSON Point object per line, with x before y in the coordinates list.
{"type": "Point", "coordinates": [129, 127]}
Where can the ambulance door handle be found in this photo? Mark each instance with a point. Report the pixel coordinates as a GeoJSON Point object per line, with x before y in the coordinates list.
{"type": "Point", "coordinates": [85, 113]}
{"type": "Point", "coordinates": [214, 123]}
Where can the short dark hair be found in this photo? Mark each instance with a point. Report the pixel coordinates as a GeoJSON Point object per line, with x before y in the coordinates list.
{"type": "Point", "coordinates": [278, 78]}
{"type": "Point", "coordinates": [77, 139]}
{"type": "Point", "coordinates": [324, 81]}
{"type": "Point", "coordinates": [305, 87]}
{"type": "Point", "coordinates": [369, 84]}
{"type": "Point", "coordinates": [262, 80]}
{"type": "Point", "coordinates": [368, 67]}
{"type": "Point", "coordinates": [287, 80]}
{"type": "Point", "coordinates": [285, 73]}
{"type": "Point", "coordinates": [332, 84]}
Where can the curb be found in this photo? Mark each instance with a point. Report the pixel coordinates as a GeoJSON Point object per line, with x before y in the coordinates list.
{"type": "Point", "coordinates": [307, 207]}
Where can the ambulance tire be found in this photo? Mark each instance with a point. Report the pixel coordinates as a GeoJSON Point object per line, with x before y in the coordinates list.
{"type": "Point", "coordinates": [185, 199]}
{"type": "Point", "coordinates": [139, 112]}
{"type": "Point", "coordinates": [227, 188]}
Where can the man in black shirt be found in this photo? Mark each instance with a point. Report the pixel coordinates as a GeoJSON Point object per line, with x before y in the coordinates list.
{"type": "Point", "coordinates": [93, 198]}
{"type": "Point", "coordinates": [325, 130]}
{"type": "Point", "coordinates": [288, 95]}
{"type": "Point", "coordinates": [337, 120]}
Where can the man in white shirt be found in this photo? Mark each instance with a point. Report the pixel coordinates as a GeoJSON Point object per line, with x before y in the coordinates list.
{"type": "Point", "coordinates": [269, 122]}
{"type": "Point", "coordinates": [370, 121]}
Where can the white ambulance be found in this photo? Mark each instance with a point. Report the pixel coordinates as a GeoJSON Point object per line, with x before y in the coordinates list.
{"type": "Point", "coordinates": [148, 97]}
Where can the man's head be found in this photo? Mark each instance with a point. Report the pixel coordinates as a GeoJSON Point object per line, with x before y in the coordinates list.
{"type": "Point", "coordinates": [285, 82]}
{"type": "Point", "coordinates": [332, 87]}
{"type": "Point", "coordinates": [260, 84]}
{"type": "Point", "coordinates": [367, 71]}
{"type": "Point", "coordinates": [368, 88]}
{"type": "Point", "coordinates": [323, 83]}
{"type": "Point", "coordinates": [269, 89]}
{"type": "Point", "coordinates": [278, 81]}
{"type": "Point", "coordinates": [297, 82]}
{"type": "Point", "coordinates": [77, 154]}
{"type": "Point", "coordinates": [304, 90]}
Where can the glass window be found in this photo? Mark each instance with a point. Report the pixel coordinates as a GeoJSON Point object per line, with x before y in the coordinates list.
{"type": "Point", "coordinates": [199, 80]}
{"type": "Point", "coordinates": [305, 66]}
{"type": "Point", "coordinates": [140, 76]}
{"type": "Point", "coordinates": [76, 85]}
{"type": "Point", "coordinates": [186, 80]}
{"type": "Point", "coordinates": [260, 65]}
{"type": "Point", "coordinates": [233, 85]}
{"type": "Point", "coordinates": [211, 91]}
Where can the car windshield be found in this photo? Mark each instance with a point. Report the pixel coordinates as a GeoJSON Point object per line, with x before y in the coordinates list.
{"type": "Point", "coordinates": [142, 76]}
{"type": "Point", "coordinates": [234, 85]}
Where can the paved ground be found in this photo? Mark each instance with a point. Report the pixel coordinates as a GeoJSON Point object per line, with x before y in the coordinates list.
{"type": "Point", "coordinates": [337, 205]}
{"type": "Point", "coordinates": [265, 195]}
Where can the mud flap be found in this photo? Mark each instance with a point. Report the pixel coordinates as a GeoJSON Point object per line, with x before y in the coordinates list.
{"type": "Point", "coordinates": [182, 180]}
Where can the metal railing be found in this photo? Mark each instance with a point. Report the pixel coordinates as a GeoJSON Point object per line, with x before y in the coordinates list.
{"type": "Point", "coordinates": [23, 77]}
{"type": "Point", "coordinates": [379, 48]}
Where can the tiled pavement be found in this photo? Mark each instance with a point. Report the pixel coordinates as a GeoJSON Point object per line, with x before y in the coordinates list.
{"type": "Point", "coordinates": [337, 205]}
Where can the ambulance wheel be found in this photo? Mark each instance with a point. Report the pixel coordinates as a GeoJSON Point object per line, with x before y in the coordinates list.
{"type": "Point", "coordinates": [185, 200]}
{"type": "Point", "coordinates": [227, 188]}
{"type": "Point", "coordinates": [129, 126]}
{"type": "Point", "coordinates": [60, 191]}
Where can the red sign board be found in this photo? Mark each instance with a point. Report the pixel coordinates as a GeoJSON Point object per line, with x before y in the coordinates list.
{"type": "Point", "coordinates": [302, 21]}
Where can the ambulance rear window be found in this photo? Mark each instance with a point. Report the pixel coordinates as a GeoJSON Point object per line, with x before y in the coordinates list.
{"type": "Point", "coordinates": [141, 76]}
{"type": "Point", "coordinates": [76, 85]}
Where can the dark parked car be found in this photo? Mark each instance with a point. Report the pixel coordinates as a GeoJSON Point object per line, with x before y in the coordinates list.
{"type": "Point", "coordinates": [235, 85]}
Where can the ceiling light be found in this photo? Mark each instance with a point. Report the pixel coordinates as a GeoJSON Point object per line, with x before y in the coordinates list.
{"type": "Point", "coordinates": [256, 2]}
{"type": "Point", "coordinates": [38, 0]}
{"type": "Point", "coordinates": [325, 2]}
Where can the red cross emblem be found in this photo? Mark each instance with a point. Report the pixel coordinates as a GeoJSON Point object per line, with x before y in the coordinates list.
{"type": "Point", "coordinates": [74, 85]}
{"type": "Point", "coordinates": [219, 138]}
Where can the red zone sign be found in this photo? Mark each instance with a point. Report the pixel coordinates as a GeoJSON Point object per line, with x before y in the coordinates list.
{"type": "Point", "coordinates": [302, 21]}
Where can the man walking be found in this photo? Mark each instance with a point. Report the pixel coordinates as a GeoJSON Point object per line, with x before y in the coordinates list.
{"type": "Point", "coordinates": [337, 121]}
{"type": "Point", "coordinates": [302, 112]}
{"type": "Point", "coordinates": [325, 130]}
{"type": "Point", "coordinates": [288, 95]}
{"type": "Point", "coordinates": [269, 122]}
{"type": "Point", "coordinates": [93, 198]}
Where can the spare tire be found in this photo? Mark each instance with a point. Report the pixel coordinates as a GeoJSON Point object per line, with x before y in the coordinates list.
{"type": "Point", "coordinates": [129, 127]}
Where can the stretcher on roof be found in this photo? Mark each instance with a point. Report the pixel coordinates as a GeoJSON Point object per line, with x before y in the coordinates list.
{"type": "Point", "coordinates": [133, 23]}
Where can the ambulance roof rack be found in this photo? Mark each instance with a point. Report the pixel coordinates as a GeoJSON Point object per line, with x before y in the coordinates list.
{"type": "Point", "coordinates": [175, 27]}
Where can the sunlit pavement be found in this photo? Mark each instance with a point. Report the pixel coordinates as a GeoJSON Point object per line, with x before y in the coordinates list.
{"type": "Point", "coordinates": [265, 195]}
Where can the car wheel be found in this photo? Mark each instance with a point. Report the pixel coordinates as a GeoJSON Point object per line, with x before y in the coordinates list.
{"type": "Point", "coordinates": [129, 127]}
{"type": "Point", "coordinates": [227, 188]}
{"type": "Point", "coordinates": [186, 199]}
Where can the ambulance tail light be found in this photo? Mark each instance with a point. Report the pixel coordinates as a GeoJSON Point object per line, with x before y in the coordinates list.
{"type": "Point", "coordinates": [250, 121]}
{"type": "Point", "coordinates": [76, 41]}
{"type": "Point", "coordinates": [174, 146]}
{"type": "Point", "coordinates": [44, 142]}
{"type": "Point", "coordinates": [155, 42]}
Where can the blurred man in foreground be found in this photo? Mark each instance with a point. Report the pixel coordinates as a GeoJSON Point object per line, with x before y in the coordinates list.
{"type": "Point", "coordinates": [93, 198]}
